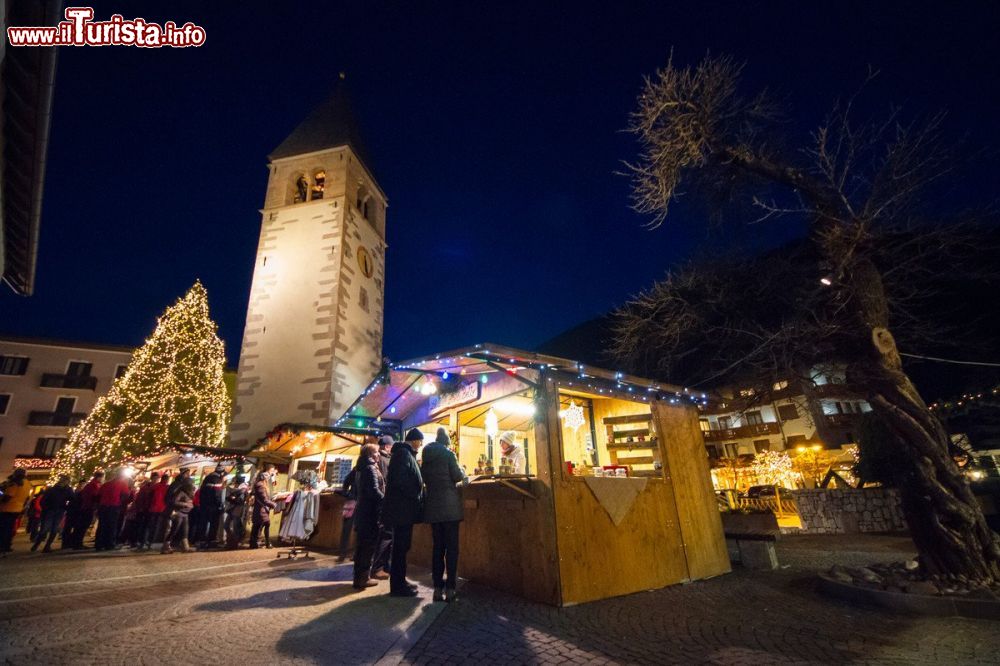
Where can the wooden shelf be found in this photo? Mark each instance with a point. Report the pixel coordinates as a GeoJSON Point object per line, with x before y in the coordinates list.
{"type": "Point", "coordinates": [621, 420]}
{"type": "Point", "coordinates": [648, 444]}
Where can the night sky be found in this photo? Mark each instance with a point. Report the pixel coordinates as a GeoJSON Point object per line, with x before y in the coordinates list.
{"type": "Point", "coordinates": [494, 129]}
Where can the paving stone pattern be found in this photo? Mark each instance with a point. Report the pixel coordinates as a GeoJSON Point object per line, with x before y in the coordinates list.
{"type": "Point", "coordinates": [742, 618]}
{"type": "Point", "coordinates": [262, 610]}
{"type": "Point", "coordinates": [246, 607]}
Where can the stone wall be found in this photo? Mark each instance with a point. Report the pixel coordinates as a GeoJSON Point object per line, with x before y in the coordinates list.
{"type": "Point", "coordinates": [828, 511]}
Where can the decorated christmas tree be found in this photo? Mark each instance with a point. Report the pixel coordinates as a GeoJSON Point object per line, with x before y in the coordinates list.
{"type": "Point", "coordinates": [172, 392]}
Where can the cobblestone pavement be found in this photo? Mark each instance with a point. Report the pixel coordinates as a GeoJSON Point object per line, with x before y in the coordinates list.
{"type": "Point", "coordinates": [741, 618]}
{"type": "Point", "coordinates": [231, 607]}
{"type": "Point", "coordinates": [214, 607]}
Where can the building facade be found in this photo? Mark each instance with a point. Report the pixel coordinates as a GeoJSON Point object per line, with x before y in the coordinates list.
{"type": "Point", "coordinates": [741, 425]}
{"type": "Point", "coordinates": [27, 76]}
{"type": "Point", "coordinates": [46, 387]}
{"type": "Point", "coordinates": [313, 337]}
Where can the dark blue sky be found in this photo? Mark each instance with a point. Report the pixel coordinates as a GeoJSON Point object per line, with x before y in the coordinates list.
{"type": "Point", "coordinates": [494, 128]}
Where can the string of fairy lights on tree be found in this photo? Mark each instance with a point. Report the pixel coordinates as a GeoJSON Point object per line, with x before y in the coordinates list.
{"type": "Point", "coordinates": [172, 391]}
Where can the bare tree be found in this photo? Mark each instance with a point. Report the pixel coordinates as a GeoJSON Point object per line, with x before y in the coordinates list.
{"type": "Point", "coordinates": [858, 188]}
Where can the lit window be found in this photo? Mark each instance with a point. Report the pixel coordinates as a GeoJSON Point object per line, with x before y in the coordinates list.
{"type": "Point", "coordinates": [779, 385]}
{"type": "Point", "coordinates": [497, 437]}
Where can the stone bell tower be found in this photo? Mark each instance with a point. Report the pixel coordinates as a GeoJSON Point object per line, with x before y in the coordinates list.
{"type": "Point", "coordinates": [313, 337]}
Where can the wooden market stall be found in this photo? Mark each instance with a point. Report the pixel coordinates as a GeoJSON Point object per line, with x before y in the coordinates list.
{"type": "Point", "coordinates": [615, 496]}
{"type": "Point", "coordinates": [331, 452]}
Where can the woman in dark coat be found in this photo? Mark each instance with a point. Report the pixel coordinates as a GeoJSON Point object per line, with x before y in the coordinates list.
{"type": "Point", "coordinates": [443, 510]}
{"type": "Point", "coordinates": [262, 506]}
{"type": "Point", "coordinates": [404, 490]}
{"type": "Point", "coordinates": [370, 489]}
{"type": "Point", "coordinates": [181, 504]}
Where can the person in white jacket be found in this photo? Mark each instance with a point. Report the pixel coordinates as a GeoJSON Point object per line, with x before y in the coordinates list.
{"type": "Point", "coordinates": [513, 452]}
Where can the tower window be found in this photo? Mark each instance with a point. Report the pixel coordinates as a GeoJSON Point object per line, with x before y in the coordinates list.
{"type": "Point", "coordinates": [301, 189]}
{"type": "Point", "coordinates": [319, 183]}
{"type": "Point", "coordinates": [363, 299]}
{"type": "Point", "coordinates": [364, 203]}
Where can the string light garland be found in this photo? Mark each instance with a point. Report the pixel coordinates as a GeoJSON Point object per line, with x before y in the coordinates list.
{"type": "Point", "coordinates": [965, 400]}
{"type": "Point", "coordinates": [585, 377]}
{"type": "Point", "coordinates": [172, 391]}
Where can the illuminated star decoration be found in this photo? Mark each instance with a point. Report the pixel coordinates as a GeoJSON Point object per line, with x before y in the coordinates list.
{"type": "Point", "coordinates": [573, 416]}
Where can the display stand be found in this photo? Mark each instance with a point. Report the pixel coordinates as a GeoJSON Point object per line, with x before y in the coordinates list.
{"type": "Point", "coordinates": [295, 552]}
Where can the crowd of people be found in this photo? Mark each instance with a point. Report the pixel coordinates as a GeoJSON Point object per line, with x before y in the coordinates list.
{"type": "Point", "coordinates": [387, 492]}
{"type": "Point", "coordinates": [137, 513]}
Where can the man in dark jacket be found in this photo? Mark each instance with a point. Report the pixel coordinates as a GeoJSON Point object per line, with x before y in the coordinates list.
{"type": "Point", "coordinates": [210, 504]}
{"type": "Point", "coordinates": [72, 514]}
{"type": "Point", "coordinates": [236, 504]}
{"type": "Point", "coordinates": [383, 551]}
{"type": "Point", "coordinates": [181, 503]}
{"type": "Point", "coordinates": [404, 491]}
{"type": "Point", "coordinates": [54, 503]}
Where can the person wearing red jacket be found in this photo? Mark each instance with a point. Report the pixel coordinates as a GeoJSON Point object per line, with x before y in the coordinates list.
{"type": "Point", "coordinates": [157, 513]}
{"type": "Point", "coordinates": [89, 498]}
{"type": "Point", "coordinates": [143, 500]}
{"type": "Point", "coordinates": [112, 499]}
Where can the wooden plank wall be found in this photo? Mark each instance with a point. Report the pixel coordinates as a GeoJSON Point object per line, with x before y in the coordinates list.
{"type": "Point", "coordinates": [501, 541]}
{"type": "Point", "coordinates": [687, 464]}
{"type": "Point", "coordinates": [598, 559]}
{"type": "Point", "coordinates": [331, 519]}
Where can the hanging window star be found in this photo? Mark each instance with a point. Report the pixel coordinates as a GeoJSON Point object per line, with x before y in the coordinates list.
{"type": "Point", "coordinates": [573, 416]}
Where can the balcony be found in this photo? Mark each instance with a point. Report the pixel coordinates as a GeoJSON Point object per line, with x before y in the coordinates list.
{"type": "Point", "coordinates": [55, 380]}
{"type": "Point", "coordinates": [834, 391]}
{"type": "Point", "coordinates": [743, 432]}
{"type": "Point", "coordinates": [843, 420]}
{"type": "Point", "coordinates": [60, 419]}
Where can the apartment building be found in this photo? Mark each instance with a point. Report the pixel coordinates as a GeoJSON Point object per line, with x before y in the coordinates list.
{"type": "Point", "coordinates": [747, 421]}
{"type": "Point", "coordinates": [46, 387]}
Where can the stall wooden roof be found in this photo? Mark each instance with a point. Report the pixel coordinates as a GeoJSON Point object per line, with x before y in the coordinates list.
{"type": "Point", "coordinates": [395, 394]}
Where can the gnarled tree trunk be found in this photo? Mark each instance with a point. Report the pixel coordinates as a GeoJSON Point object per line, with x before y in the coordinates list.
{"type": "Point", "coordinates": [945, 520]}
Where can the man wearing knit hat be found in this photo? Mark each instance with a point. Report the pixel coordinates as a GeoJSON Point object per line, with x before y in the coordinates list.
{"type": "Point", "coordinates": [401, 508]}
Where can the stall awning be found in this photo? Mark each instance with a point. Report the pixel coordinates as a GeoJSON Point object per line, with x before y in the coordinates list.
{"type": "Point", "coordinates": [405, 388]}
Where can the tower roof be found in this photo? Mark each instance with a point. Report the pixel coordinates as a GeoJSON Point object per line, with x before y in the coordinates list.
{"type": "Point", "coordinates": [330, 125]}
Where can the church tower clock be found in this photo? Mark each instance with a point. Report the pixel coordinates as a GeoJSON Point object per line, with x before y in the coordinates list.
{"type": "Point", "coordinates": [313, 337]}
